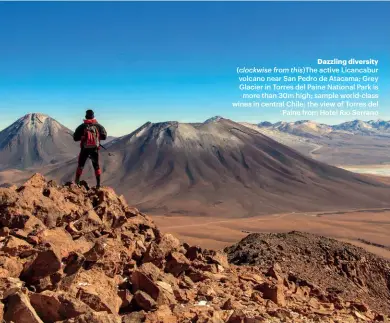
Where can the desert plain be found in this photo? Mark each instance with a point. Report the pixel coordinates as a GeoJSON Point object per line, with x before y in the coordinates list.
{"type": "Point", "coordinates": [367, 228]}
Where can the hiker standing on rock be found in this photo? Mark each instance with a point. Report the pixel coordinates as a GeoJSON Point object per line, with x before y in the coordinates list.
{"type": "Point", "coordinates": [89, 133]}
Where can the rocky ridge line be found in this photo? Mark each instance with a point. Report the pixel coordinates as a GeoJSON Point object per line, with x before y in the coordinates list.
{"type": "Point", "coordinates": [76, 255]}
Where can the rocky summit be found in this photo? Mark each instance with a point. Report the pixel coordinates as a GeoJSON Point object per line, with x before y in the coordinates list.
{"type": "Point", "coordinates": [74, 254]}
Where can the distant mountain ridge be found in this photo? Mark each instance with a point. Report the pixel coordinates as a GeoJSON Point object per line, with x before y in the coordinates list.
{"type": "Point", "coordinates": [313, 128]}
{"type": "Point", "coordinates": [222, 168]}
{"type": "Point", "coordinates": [35, 140]}
{"type": "Point", "coordinates": [353, 142]}
{"type": "Point", "coordinates": [210, 168]}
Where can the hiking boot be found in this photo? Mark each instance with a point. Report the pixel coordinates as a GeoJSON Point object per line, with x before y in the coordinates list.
{"type": "Point", "coordinates": [98, 181]}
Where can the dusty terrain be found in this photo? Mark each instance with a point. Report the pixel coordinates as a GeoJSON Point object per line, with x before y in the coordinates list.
{"type": "Point", "coordinates": [72, 254]}
{"type": "Point", "coordinates": [10, 176]}
{"type": "Point", "coordinates": [349, 226]}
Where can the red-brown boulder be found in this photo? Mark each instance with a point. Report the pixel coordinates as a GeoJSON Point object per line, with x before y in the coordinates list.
{"type": "Point", "coordinates": [20, 310]}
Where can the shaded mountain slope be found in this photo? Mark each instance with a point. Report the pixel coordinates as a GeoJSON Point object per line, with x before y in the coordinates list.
{"type": "Point", "coordinates": [35, 140]}
{"type": "Point", "coordinates": [225, 169]}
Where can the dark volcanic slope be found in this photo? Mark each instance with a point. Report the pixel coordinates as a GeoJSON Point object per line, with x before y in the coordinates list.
{"type": "Point", "coordinates": [35, 140]}
{"type": "Point", "coordinates": [224, 168]}
{"type": "Point", "coordinates": [338, 267]}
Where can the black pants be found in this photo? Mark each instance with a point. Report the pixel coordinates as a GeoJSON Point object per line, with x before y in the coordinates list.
{"type": "Point", "coordinates": [93, 154]}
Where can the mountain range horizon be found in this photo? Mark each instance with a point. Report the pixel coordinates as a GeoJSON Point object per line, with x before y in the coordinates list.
{"type": "Point", "coordinates": [217, 166]}
{"type": "Point", "coordinates": [373, 122]}
{"type": "Point", "coordinates": [33, 131]}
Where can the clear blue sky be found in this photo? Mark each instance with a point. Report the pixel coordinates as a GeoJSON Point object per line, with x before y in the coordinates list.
{"type": "Point", "coordinates": [134, 62]}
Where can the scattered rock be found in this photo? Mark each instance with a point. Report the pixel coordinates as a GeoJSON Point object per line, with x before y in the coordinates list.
{"type": "Point", "coordinates": [165, 286]}
{"type": "Point", "coordinates": [238, 316]}
{"type": "Point", "coordinates": [231, 304]}
{"type": "Point", "coordinates": [218, 258]}
{"type": "Point", "coordinates": [193, 252]}
{"type": "Point", "coordinates": [36, 181]}
{"type": "Point", "coordinates": [134, 317]}
{"type": "Point", "coordinates": [144, 301]}
{"type": "Point", "coordinates": [155, 255]}
{"type": "Point", "coordinates": [126, 298]}
{"type": "Point", "coordinates": [52, 306]}
{"type": "Point", "coordinates": [142, 282]}
{"type": "Point", "coordinates": [95, 317]}
{"type": "Point", "coordinates": [177, 263]}
{"type": "Point", "coordinates": [276, 272]}
{"type": "Point", "coordinates": [162, 315]}
{"type": "Point", "coordinates": [9, 286]}
{"type": "Point", "coordinates": [11, 265]}
{"type": "Point", "coordinates": [169, 243]}
{"type": "Point", "coordinates": [74, 263]}
{"type": "Point", "coordinates": [14, 246]}
{"type": "Point", "coordinates": [324, 263]}
{"type": "Point", "coordinates": [96, 252]}
{"type": "Point", "coordinates": [45, 263]}
{"type": "Point", "coordinates": [97, 290]}
{"type": "Point", "coordinates": [19, 309]}
{"type": "Point", "coordinates": [74, 254]}
{"type": "Point", "coordinates": [273, 292]}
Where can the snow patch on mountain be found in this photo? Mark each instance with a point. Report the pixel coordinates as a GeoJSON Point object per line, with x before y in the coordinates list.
{"type": "Point", "coordinates": [214, 119]}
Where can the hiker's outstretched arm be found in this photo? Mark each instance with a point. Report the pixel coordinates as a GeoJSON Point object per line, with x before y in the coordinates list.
{"type": "Point", "coordinates": [77, 134]}
{"type": "Point", "coordinates": [103, 133]}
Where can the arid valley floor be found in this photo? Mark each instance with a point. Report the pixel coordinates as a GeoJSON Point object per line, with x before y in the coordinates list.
{"type": "Point", "coordinates": [366, 228]}
{"type": "Point", "coordinates": [350, 226]}
{"type": "Point", "coordinates": [358, 227]}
